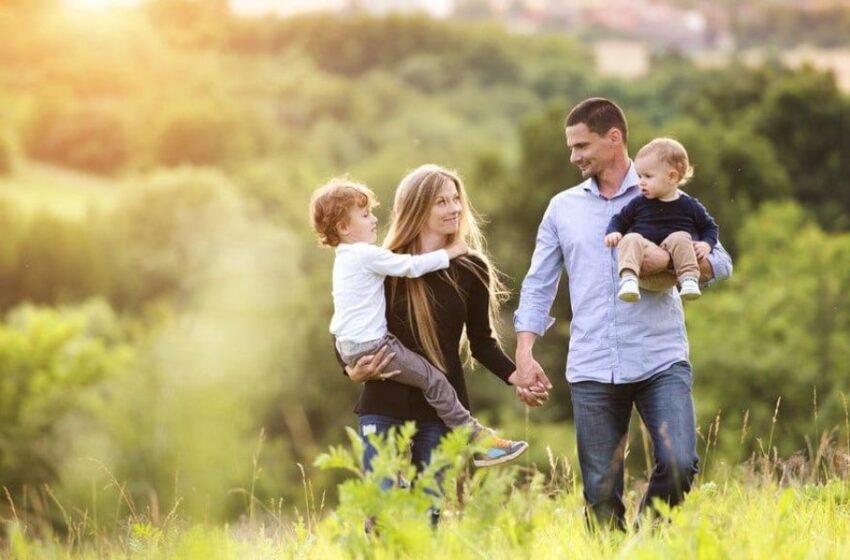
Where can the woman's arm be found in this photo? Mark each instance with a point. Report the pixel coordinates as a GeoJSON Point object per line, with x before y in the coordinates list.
{"type": "Point", "coordinates": [482, 340]}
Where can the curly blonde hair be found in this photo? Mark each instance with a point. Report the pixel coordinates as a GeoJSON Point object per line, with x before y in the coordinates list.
{"type": "Point", "coordinates": [331, 203]}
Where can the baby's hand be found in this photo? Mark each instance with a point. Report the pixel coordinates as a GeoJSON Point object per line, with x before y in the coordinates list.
{"type": "Point", "coordinates": [457, 248]}
{"type": "Point", "coordinates": [701, 248]}
{"type": "Point", "coordinates": [612, 239]}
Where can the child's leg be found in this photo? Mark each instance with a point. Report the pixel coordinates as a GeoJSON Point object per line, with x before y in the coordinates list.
{"type": "Point", "coordinates": [420, 373]}
{"type": "Point", "coordinates": [681, 248]}
{"type": "Point", "coordinates": [630, 252]}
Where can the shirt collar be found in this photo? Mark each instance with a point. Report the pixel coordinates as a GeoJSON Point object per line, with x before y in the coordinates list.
{"type": "Point", "coordinates": [630, 180]}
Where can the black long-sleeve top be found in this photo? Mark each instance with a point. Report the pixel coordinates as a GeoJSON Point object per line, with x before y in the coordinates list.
{"type": "Point", "coordinates": [451, 311]}
{"type": "Point", "coordinates": [656, 219]}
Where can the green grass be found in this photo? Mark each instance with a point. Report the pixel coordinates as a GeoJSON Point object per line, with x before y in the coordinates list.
{"type": "Point", "coordinates": [38, 187]}
{"type": "Point", "coordinates": [730, 520]}
{"type": "Point", "coordinates": [500, 513]}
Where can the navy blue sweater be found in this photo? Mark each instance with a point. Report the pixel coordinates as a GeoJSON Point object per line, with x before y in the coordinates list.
{"type": "Point", "coordinates": [655, 219]}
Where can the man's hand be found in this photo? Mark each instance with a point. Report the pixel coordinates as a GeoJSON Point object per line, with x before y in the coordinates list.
{"type": "Point", "coordinates": [701, 248]}
{"type": "Point", "coordinates": [529, 373]}
{"type": "Point", "coordinates": [371, 367]}
{"type": "Point", "coordinates": [613, 239]}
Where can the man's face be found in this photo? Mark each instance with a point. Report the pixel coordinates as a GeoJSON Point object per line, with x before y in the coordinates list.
{"type": "Point", "coordinates": [589, 151]}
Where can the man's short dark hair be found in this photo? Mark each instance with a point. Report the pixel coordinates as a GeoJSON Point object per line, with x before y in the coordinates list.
{"type": "Point", "coordinates": [599, 115]}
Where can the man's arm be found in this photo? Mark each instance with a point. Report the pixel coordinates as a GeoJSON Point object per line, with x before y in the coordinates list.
{"type": "Point", "coordinates": [720, 263]}
{"type": "Point", "coordinates": [539, 287]}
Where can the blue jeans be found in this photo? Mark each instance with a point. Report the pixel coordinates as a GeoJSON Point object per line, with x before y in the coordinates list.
{"type": "Point", "coordinates": [426, 439]}
{"type": "Point", "coordinates": [602, 412]}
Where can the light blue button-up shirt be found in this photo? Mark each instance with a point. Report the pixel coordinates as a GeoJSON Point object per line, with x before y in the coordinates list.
{"type": "Point", "coordinates": [610, 341]}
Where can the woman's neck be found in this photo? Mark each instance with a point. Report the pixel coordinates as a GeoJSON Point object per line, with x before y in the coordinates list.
{"type": "Point", "coordinates": [432, 241]}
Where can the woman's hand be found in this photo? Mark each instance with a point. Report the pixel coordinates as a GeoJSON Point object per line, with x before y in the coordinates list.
{"type": "Point", "coordinates": [533, 396]}
{"type": "Point", "coordinates": [371, 367]}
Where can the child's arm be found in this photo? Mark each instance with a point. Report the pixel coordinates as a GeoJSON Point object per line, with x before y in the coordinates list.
{"type": "Point", "coordinates": [383, 261]}
{"type": "Point", "coordinates": [457, 249]}
{"type": "Point", "coordinates": [706, 228]}
{"type": "Point", "coordinates": [620, 224]}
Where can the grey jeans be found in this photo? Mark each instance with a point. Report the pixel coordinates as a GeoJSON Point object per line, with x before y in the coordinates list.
{"type": "Point", "coordinates": [417, 372]}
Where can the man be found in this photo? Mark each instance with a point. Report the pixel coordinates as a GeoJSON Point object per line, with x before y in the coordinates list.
{"type": "Point", "coordinates": [621, 354]}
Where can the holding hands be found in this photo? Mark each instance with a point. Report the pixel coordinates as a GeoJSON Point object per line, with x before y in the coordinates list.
{"type": "Point", "coordinates": [613, 239]}
{"type": "Point", "coordinates": [532, 385]}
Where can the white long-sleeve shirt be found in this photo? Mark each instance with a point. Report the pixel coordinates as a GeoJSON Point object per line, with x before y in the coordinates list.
{"type": "Point", "coordinates": [358, 286]}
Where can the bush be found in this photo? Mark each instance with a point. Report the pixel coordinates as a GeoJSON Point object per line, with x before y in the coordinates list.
{"type": "Point", "coordinates": [202, 134]}
{"type": "Point", "coordinates": [92, 137]}
{"type": "Point", "coordinates": [7, 154]}
{"type": "Point", "coordinates": [48, 358]}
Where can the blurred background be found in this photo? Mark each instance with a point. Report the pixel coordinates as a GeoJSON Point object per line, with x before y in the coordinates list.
{"type": "Point", "coordinates": [165, 306]}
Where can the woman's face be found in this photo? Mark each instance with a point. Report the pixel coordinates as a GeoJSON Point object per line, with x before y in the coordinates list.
{"type": "Point", "coordinates": [444, 217]}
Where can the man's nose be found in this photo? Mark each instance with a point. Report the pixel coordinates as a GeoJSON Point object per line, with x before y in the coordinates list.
{"type": "Point", "coordinates": [574, 156]}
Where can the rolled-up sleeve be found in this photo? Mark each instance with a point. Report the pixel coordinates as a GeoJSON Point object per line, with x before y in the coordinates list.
{"type": "Point", "coordinates": [541, 282]}
{"type": "Point", "coordinates": [721, 264]}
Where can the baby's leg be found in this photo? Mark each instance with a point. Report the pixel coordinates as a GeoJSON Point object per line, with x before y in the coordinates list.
{"type": "Point", "coordinates": [630, 253]}
{"type": "Point", "coordinates": [681, 248]}
{"type": "Point", "coordinates": [419, 372]}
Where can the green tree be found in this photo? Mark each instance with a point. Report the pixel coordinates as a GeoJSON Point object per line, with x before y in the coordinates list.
{"type": "Point", "coordinates": [806, 119]}
{"type": "Point", "coordinates": [778, 328]}
{"type": "Point", "coordinates": [48, 359]}
{"type": "Point", "coordinates": [89, 137]}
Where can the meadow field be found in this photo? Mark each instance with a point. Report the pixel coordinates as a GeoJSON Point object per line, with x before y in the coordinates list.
{"type": "Point", "coordinates": [765, 507]}
{"type": "Point", "coordinates": [168, 387]}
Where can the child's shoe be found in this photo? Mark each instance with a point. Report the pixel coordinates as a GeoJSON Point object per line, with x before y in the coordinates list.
{"type": "Point", "coordinates": [689, 289]}
{"type": "Point", "coordinates": [629, 290]}
{"type": "Point", "coordinates": [497, 450]}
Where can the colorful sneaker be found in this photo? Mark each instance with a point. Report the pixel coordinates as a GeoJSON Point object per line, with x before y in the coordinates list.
{"type": "Point", "coordinates": [689, 289]}
{"type": "Point", "coordinates": [629, 291]}
{"type": "Point", "coordinates": [497, 451]}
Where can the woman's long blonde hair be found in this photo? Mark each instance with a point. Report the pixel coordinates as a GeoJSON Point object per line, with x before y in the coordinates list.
{"type": "Point", "coordinates": [414, 198]}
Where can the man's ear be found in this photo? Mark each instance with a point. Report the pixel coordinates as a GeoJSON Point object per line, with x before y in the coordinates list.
{"type": "Point", "coordinates": [614, 135]}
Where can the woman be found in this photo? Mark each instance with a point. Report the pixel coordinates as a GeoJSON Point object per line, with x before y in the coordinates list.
{"type": "Point", "coordinates": [429, 314]}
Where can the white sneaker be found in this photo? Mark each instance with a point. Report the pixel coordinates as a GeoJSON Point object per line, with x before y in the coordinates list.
{"type": "Point", "coordinates": [689, 289]}
{"type": "Point", "coordinates": [629, 290]}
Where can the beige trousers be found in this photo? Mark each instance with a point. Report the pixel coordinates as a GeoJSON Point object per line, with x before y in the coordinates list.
{"type": "Point", "coordinates": [679, 245]}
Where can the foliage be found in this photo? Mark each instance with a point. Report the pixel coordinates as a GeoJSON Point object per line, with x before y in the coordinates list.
{"type": "Point", "coordinates": [212, 263]}
{"type": "Point", "coordinates": [91, 137]}
{"type": "Point", "coordinates": [7, 153]}
{"type": "Point", "coordinates": [495, 515]}
{"type": "Point", "coordinates": [785, 319]}
{"type": "Point", "coordinates": [48, 360]}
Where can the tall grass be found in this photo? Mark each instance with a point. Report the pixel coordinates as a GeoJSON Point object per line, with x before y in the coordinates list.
{"type": "Point", "coordinates": [766, 506]}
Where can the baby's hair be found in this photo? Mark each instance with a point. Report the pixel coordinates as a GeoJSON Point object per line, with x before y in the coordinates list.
{"type": "Point", "coordinates": [330, 204]}
{"type": "Point", "coordinates": [672, 153]}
